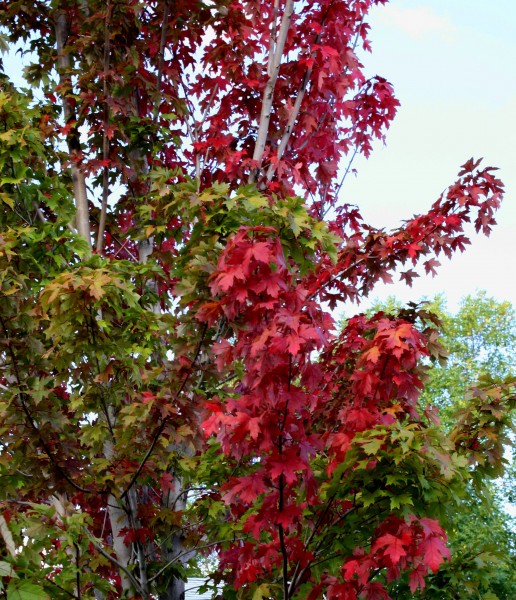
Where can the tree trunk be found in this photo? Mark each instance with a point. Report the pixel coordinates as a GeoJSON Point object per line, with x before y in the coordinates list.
{"type": "Point", "coordinates": [82, 218]}
{"type": "Point", "coordinates": [173, 549]}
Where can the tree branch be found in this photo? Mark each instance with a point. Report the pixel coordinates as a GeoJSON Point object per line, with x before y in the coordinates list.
{"type": "Point", "coordinates": [112, 559]}
{"type": "Point", "coordinates": [163, 39]}
{"type": "Point", "coordinates": [105, 139]}
{"type": "Point", "coordinates": [185, 552]}
{"type": "Point", "coordinates": [161, 428]}
{"type": "Point", "coordinates": [78, 572]}
{"type": "Point", "coordinates": [268, 93]}
{"type": "Point", "coordinates": [30, 419]}
{"type": "Point", "coordinates": [74, 147]}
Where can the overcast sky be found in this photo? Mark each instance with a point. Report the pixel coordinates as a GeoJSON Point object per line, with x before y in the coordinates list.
{"type": "Point", "coordinates": [453, 66]}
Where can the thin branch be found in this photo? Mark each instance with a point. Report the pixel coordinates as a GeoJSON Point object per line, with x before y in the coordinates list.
{"type": "Point", "coordinates": [200, 125]}
{"type": "Point", "coordinates": [342, 274]}
{"type": "Point", "coordinates": [164, 26]}
{"type": "Point", "coordinates": [297, 107]}
{"type": "Point", "coordinates": [74, 146]}
{"type": "Point", "coordinates": [140, 552]}
{"type": "Point", "coordinates": [268, 92]}
{"type": "Point", "coordinates": [105, 139]}
{"type": "Point", "coordinates": [186, 552]}
{"type": "Point", "coordinates": [346, 172]}
{"type": "Point", "coordinates": [192, 131]}
{"type": "Point", "coordinates": [273, 38]}
{"type": "Point", "coordinates": [281, 533]}
{"type": "Point", "coordinates": [48, 580]}
{"type": "Point", "coordinates": [39, 212]}
{"type": "Point", "coordinates": [281, 489]}
{"type": "Point", "coordinates": [161, 428]}
{"type": "Point", "coordinates": [123, 247]}
{"type": "Point", "coordinates": [31, 420]}
{"type": "Point", "coordinates": [112, 559]}
{"type": "Point", "coordinates": [78, 572]}
{"type": "Point", "coordinates": [297, 573]}
{"type": "Point", "coordinates": [43, 219]}
{"type": "Point", "coordinates": [285, 561]}
{"type": "Point", "coordinates": [290, 125]}
{"type": "Point", "coordinates": [285, 138]}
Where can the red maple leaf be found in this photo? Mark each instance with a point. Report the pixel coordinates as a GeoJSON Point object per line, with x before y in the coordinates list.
{"type": "Point", "coordinates": [167, 482]}
{"type": "Point", "coordinates": [247, 488]}
{"type": "Point", "coordinates": [394, 548]}
{"type": "Point", "coordinates": [417, 578]}
{"type": "Point", "coordinates": [408, 276]}
{"type": "Point", "coordinates": [287, 465]}
{"type": "Point", "coordinates": [261, 252]}
{"type": "Point", "coordinates": [434, 552]}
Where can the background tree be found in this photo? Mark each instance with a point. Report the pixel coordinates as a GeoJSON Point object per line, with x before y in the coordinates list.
{"type": "Point", "coordinates": [172, 234]}
{"type": "Point", "coordinates": [481, 342]}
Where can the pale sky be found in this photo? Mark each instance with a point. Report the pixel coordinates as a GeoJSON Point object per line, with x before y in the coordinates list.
{"type": "Point", "coordinates": [453, 67]}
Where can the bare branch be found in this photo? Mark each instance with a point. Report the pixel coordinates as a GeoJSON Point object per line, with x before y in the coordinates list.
{"type": "Point", "coordinates": [78, 179]}
{"type": "Point", "coordinates": [105, 139]}
{"type": "Point", "coordinates": [112, 559]}
{"type": "Point", "coordinates": [268, 92]}
{"type": "Point", "coordinates": [185, 552]}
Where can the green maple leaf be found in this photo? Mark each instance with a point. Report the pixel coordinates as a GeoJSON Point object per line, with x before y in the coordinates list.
{"type": "Point", "coordinates": [24, 590]}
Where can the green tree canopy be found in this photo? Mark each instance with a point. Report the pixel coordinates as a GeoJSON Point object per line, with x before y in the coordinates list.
{"type": "Point", "coordinates": [480, 340]}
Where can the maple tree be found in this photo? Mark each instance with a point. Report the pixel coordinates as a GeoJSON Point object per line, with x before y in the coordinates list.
{"type": "Point", "coordinates": [172, 236]}
{"type": "Point", "coordinates": [480, 339]}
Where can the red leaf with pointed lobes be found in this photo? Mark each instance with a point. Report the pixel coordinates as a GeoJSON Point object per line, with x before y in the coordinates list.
{"type": "Point", "coordinates": [408, 276]}
{"type": "Point", "coordinates": [225, 280]}
{"type": "Point", "coordinates": [434, 552]}
{"type": "Point", "coordinates": [167, 483]}
{"type": "Point", "coordinates": [247, 489]}
{"type": "Point", "coordinates": [140, 534]}
{"type": "Point", "coordinates": [372, 355]}
{"type": "Point", "coordinates": [261, 251]}
{"type": "Point", "coordinates": [417, 578]}
{"type": "Point", "coordinates": [393, 547]}
{"type": "Point", "coordinates": [288, 516]}
{"type": "Point", "coordinates": [288, 465]}
{"type": "Point", "coordinates": [413, 250]}
{"type": "Point", "coordinates": [431, 266]}
{"type": "Point", "coordinates": [374, 591]}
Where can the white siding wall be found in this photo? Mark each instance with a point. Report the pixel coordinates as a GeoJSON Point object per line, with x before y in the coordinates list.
{"type": "Point", "coordinates": [192, 589]}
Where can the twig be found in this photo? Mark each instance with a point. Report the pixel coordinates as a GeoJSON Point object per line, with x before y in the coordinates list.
{"type": "Point", "coordinates": [39, 212]}
{"type": "Point", "coordinates": [163, 39]}
{"type": "Point", "coordinates": [350, 162]}
{"type": "Point", "coordinates": [78, 572]}
{"type": "Point", "coordinates": [185, 552]}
